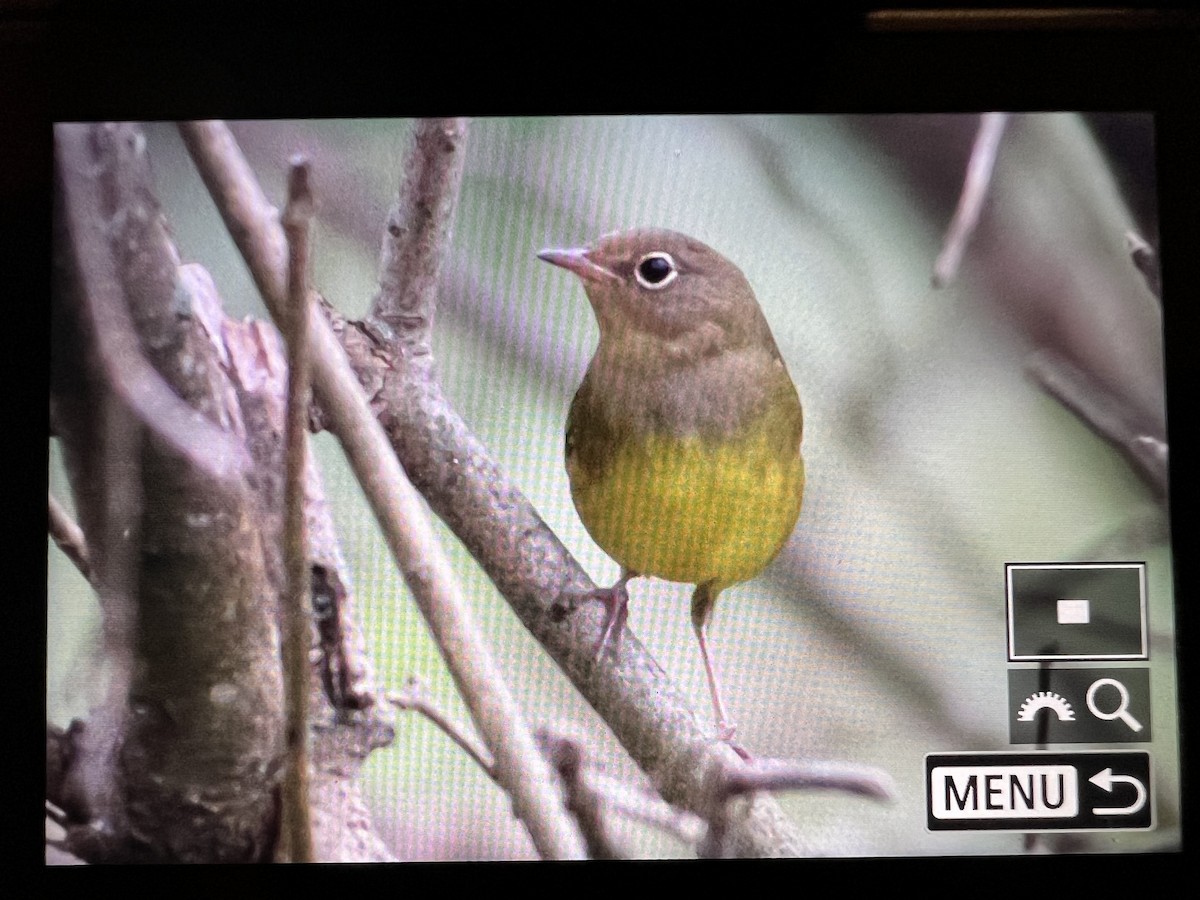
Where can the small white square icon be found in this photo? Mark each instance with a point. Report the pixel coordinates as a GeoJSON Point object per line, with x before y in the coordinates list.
{"type": "Point", "coordinates": [1074, 612]}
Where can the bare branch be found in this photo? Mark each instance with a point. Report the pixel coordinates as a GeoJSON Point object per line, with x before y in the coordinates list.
{"type": "Point", "coordinates": [1106, 414]}
{"type": "Point", "coordinates": [414, 698]}
{"type": "Point", "coordinates": [296, 844]}
{"type": "Point", "coordinates": [596, 795]}
{"type": "Point", "coordinates": [398, 508]}
{"type": "Point", "coordinates": [587, 804]}
{"type": "Point", "coordinates": [782, 775]}
{"type": "Point", "coordinates": [119, 350]}
{"type": "Point", "coordinates": [179, 761]}
{"type": "Point", "coordinates": [418, 230]}
{"type": "Point", "coordinates": [254, 357]}
{"type": "Point", "coordinates": [642, 805]}
{"type": "Point", "coordinates": [120, 353]}
{"type": "Point", "coordinates": [56, 815]}
{"type": "Point", "coordinates": [250, 218]}
{"type": "Point", "coordinates": [157, 593]}
{"type": "Point", "coordinates": [346, 725]}
{"type": "Point", "coordinates": [1145, 260]}
{"type": "Point", "coordinates": [69, 538]}
{"type": "Point", "coordinates": [970, 202]}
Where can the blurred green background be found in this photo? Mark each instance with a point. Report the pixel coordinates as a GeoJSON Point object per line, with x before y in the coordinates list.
{"type": "Point", "coordinates": [933, 459]}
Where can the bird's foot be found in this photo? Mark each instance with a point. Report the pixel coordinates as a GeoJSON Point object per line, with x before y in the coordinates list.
{"type": "Point", "coordinates": [740, 751]}
{"type": "Point", "coordinates": [616, 610]}
{"type": "Point", "coordinates": [725, 734]}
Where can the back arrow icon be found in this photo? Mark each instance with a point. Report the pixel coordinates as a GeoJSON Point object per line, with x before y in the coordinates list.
{"type": "Point", "coordinates": [1104, 780]}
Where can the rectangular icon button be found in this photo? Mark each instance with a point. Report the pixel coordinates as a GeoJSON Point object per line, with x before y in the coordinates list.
{"type": "Point", "coordinates": [1004, 792]}
{"type": "Point", "coordinates": [1107, 705]}
{"type": "Point", "coordinates": [1097, 790]}
{"type": "Point", "coordinates": [1078, 611]}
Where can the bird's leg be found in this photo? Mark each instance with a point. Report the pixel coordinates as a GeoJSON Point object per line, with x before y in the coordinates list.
{"type": "Point", "coordinates": [703, 601]}
{"type": "Point", "coordinates": [616, 605]}
{"type": "Point", "coordinates": [725, 729]}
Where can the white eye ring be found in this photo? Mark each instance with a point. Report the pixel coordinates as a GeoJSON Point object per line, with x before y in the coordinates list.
{"type": "Point", "coordinates": [657, 285]}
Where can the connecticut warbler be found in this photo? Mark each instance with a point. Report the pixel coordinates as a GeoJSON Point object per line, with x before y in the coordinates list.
{"type": "Point", "coordinates": [683, 441]}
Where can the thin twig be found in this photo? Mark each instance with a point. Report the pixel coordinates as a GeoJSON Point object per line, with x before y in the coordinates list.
{"type": "Point", "coordinates": [643, 805]}
{"type": "Point", "coordinates": [729, 787]}
{"type": "Point", "coordinates": [970, 202]}
{"type": "Point", "coordinates": [414, 698]}
{"type": "Point", "coordinates": [616, 796]}
{"type": "Point", "coordinates": [297, 843]}
{"type": "Point", "coordinates": [1106, 414]}
{"type": "Point", "coordinates": [588, 805]}
{"type": "Point", "coordinates": [69, 538]}
{"type": "Point", "coordinates": [397, 506]}
{"type": "Point", "coordinates": [418, 229]}
{"type": "Point", "coordinates": [1145, 260]}
{"type": "Point", "coordinates": [57, 815]}
{"type": "Point", "coordinates": [782, 775]}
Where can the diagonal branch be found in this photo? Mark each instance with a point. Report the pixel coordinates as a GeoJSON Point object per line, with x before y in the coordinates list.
{"type": "Point", "coordinates": [1145, 260]}
{"type": "Point", "coordinates": [414, 699]}
{"type": "Point", "coordinates": [69, 538]}
{"type": "Point", "coordinates": [1104, 413]}
{"type": "Point", "coordinates": [970, 203]}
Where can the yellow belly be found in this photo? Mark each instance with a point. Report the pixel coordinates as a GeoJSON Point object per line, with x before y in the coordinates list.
{"type": "Point", "coordinates": [693, 511]}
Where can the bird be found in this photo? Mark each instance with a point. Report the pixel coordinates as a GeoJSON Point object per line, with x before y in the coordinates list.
{"type": "Point", "coordinates": [683, 439]}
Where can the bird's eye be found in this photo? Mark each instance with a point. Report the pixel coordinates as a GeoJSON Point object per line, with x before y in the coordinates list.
{"type": "Point", "coordinates": [655, 270]}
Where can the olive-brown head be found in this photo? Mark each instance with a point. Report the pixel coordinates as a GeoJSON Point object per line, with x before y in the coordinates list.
{"type": "Point", "coordinates": [651, 282]}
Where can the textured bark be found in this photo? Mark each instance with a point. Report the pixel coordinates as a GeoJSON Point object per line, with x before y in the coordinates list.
{"type": "Point", "coordinates": [180, 763]}
{"type": "Point", "coordinates": [169, 416]}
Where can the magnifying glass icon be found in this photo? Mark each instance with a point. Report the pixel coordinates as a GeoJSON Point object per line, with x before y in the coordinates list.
{"type": "Point", "coordinates": [1122, 710]}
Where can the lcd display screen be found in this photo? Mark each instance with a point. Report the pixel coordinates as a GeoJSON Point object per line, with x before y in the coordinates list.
{"type": "Point", "coordinates": [872, 405]}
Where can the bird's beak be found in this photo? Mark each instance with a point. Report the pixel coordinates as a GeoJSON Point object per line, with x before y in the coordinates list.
{"type": "Point", "coordinates": [577, 260]}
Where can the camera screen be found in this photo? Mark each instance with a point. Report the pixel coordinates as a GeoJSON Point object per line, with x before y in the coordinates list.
{"type": "Point", "coordinates": [771, 485]}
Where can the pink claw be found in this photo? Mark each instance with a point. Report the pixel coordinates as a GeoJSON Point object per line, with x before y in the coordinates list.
{"type": "Point", "coordinates": [616, 606]}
